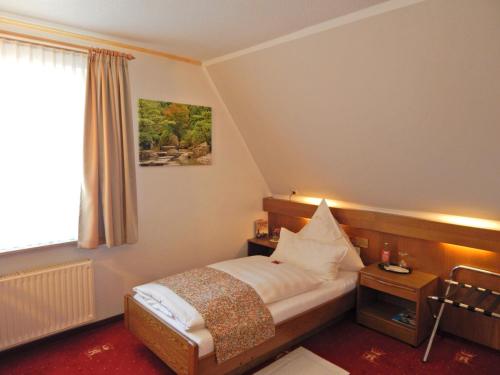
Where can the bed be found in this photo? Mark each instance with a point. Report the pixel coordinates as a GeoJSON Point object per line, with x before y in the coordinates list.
{"type": "Point", "coordinates": [296, 317]}
{"type": "Point", "coordinates": [192, 353]}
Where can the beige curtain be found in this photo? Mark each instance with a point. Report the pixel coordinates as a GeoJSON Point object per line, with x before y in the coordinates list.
{"type": "Point", "coordinates": [108, 207]}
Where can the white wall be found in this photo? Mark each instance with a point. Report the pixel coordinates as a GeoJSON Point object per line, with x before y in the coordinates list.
{"type": "Point", "coordinates": [188, 216]}
{"type": "Point", "coordinates": [400, 110]}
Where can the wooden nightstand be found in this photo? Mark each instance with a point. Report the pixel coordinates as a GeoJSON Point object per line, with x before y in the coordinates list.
{"type": "Point", "coordinates": [382, 295]}
{"type": "Point", "coordinates": [258, 246]}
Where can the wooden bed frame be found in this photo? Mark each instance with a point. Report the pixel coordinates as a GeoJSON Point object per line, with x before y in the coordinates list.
{"type": "Point", "coordinates": [181, 354]}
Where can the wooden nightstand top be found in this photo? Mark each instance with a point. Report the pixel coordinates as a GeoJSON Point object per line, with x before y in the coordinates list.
{"type": "Point", "coordinates": [263, 242]}
{"type": "Point", "coordinates": [416, 279]}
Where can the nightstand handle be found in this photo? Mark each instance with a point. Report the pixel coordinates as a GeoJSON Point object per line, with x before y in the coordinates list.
{"type": "Point", "coordinates": [394, 285]}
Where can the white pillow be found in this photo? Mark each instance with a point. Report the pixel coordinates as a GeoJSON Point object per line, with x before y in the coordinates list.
{"type": "Point", "coordinates": [324, 228]}
{"type": "Point", "coordinates": [320, 258]}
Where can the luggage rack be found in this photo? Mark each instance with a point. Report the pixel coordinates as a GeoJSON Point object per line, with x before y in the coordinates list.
{"type": "Point", "coordinates": [485, 301]}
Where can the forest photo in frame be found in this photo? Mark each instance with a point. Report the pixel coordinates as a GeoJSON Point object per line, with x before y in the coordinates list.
{"type": "Point", "coordinates": [174, 134]}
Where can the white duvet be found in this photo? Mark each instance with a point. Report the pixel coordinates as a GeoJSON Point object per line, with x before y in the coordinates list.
{"type": "Point", "coordinates": [272, 282]}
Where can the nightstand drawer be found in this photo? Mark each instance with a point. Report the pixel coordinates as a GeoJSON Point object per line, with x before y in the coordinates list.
{"type": "Point", "coordinates": [389, 287]}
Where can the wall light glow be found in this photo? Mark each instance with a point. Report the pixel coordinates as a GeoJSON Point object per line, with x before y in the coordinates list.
{"type": "Point", "coordinates": [487, 257]}
{"type": "Point", "coordinates": [315, 201]}
{"type": "Point", "coordinates": [441, 218]}
{"type": "Point", "coordinates": [468, 221]}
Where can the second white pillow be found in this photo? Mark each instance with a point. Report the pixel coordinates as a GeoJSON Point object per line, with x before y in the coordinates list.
{"type": "Point", "coordinates": [323, 259]}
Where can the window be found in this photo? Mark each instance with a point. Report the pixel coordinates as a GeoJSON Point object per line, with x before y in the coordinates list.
{"type": "Point", "coordinates": [42, 98]}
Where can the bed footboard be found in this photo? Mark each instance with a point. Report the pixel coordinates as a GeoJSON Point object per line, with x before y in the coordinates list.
{"type": "Point", "coordinates": [176, 350]}
{"type": "Point", "coordinates": [181, 354]}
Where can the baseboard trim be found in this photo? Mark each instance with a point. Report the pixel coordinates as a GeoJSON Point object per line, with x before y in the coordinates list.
{"type": "Point", "coordinates": [60, 335]}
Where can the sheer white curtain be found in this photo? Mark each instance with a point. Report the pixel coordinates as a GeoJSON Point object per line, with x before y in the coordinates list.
{"type": "Point", "coordinates": [42, 98]}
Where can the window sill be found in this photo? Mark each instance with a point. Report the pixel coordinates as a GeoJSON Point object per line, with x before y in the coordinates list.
{"type": "Point", "coordinates": [40, 247]}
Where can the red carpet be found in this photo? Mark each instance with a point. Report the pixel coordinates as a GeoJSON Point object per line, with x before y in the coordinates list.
{"type": "Point", "coordinates": [111, 349]}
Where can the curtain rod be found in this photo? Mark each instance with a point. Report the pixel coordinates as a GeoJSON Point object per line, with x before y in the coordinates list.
{"type": "Point", "coordinates": [47, 42]}
{"type": "Point", "coordinates": [89, 38]}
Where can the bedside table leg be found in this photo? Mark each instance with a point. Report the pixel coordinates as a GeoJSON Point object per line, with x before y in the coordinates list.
{"type": "Point", "coordinates": [433, 334]}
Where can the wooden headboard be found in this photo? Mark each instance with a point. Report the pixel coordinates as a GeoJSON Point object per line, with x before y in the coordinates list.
{"type": "Point", "coordinates": [431, 246]}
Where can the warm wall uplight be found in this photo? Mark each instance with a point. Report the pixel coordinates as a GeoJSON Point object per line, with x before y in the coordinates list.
{"type": "Point", "coordinates": [469, 221]}
{"type": "Point", "coordinates": [316, 201]}
{"type": "Point", "coordinates": [465, 250]}
{"type": "Point", "coordinates": [441, 218]}
{"type": "Point", "coordinates": [471, 256]}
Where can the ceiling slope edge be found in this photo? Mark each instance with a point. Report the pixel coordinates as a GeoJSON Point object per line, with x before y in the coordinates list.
{"type": "Point", "coordinates": [320, 27]}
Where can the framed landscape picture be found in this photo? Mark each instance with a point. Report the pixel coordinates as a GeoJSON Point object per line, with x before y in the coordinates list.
{"type": "Point", "coordinates": [174, 134]}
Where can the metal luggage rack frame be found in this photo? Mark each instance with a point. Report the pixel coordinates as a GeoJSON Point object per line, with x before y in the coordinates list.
{"type": "Point", "coordinates": [478, 293]}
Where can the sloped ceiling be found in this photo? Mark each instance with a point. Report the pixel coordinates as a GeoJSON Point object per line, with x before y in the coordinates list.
{"type": "Point", "coordinates": [199, 29]}
{"type": "Point", "coordinates": [400, 110]}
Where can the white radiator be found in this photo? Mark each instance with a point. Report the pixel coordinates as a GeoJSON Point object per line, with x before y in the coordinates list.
{"type": "Point", "coordinates": [38, 303]}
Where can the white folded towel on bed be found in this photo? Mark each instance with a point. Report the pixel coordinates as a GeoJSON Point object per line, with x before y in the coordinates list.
{"type": "Point", "coordinates": [153, 304]}
{"type": "Point", "coordinates": [272, 282]}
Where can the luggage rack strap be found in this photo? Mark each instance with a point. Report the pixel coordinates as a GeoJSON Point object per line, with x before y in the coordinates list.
{"type": "Point", "coordinates": [462, 305]}
{"type": "Point", "coordinates": [478, 288]}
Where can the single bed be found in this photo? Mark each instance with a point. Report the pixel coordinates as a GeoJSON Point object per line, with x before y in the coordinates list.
{"type": "Point", "coordinates": [299, 260]}
{"type": "Point", "coordinates": [192, 352]}
{"type": "Point", "coordinates": [281, 311]}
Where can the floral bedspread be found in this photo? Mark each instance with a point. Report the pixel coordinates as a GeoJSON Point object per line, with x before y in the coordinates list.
{"type": "Point", "coordinates": [233, 311]}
